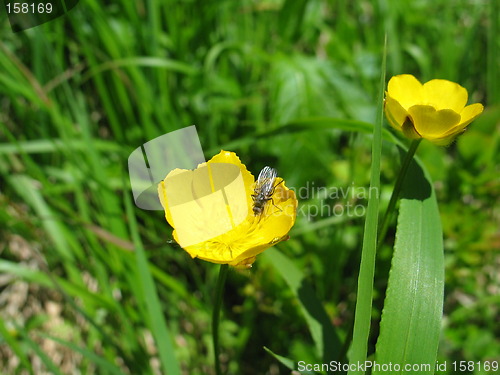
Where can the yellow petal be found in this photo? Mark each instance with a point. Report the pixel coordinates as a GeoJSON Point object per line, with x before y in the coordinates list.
{"type": "Point", "coordinates": [435, 111]}
{"type": "Point", "coordinates": [442, 94]}
{"type": "Point", "coordinates": [469, 114]}
{"type": "Point", "coordinates": [232, 158]}
{"type": "Point", "coordinates": [430, 123]}
{"type": "Point", "coordinates": [395, 113]}
{"type": "Point", "coordinates": [406, 90]}
{"type": "Point", "coordinates": [275, 222]}
{"type": "Point", "coordinates": [210, 209]}
{"type": "Point", "coordinates": [253, 236]}
{"type": "Point", "coordinates": [207, 202]}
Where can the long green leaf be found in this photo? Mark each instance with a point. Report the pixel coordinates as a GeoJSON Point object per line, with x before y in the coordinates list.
{"type": "Point", "coordinates": [156, 318]}
{"type": "Point", "coordinates": [411, 319]}
{"type": "Point", "coordinates": [362, 317]}
{"type": "Point", "coordinates": [287, 362]}
{"type": "Point", "coordinates": [324, 336]}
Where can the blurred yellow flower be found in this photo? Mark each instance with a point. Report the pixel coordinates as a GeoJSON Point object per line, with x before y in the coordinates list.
{"type": "Point", "coordinates": [211, 211]}
{"type": "Point", "coordinates": [435, 111]}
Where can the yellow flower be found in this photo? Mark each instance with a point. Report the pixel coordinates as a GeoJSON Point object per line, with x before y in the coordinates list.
{"type": "Point", "coordinates": [435, 110]}
{"type": "Point", "coordinates": [211, 211]}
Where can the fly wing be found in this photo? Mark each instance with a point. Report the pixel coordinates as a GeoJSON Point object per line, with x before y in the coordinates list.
{"type": "Point", "coordinates": [265, 181]}
{"type": "Point", "coordinates": [267, 173]}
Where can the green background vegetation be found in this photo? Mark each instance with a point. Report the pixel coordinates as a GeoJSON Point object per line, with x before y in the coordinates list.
{"type": "Point", "coordinates": [88, 280]}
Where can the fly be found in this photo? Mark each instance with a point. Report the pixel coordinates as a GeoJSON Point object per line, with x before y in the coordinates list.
{"type": "Point", "coordinates": [264, 189]}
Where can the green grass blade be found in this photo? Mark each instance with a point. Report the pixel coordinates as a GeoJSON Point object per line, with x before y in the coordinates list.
{"type": "Point", "coordinates": [411, 319]}
{"type": "Point", "coordinates": [362, 318]}
{"type": "Point", "coordinates": [321, 329]}
{"type": "Point", "coordinates": [493, 55]}
{"type": "Point", "coordinates": [101, 363]}
{"type": "Point", "coordinates": [154, 62]}
{"type": "Point", "coordinates": [25, 187]}
{"type": "Point", "coordinates": [40, 278]}
{"type": "Point", "coordinates": [54, 145]}
{"type": "Point", "coordinates": [291, 18]}
{"type": "Point", "coordinates": [306, 125]}
{"type": "Point", "coordinates": [287, 362]}
{"type": "Point", "coordinates": [156, 318]}
{"type": "Point", "coordinates": [11, 338]}
{"type": "Point", "coordinates": [49, 364]}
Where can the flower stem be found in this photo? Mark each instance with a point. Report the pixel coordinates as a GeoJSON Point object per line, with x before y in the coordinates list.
{"type": "Point", "coordinates": [397, 189]}
{"type": "Point", "coordinates": [216, 314]}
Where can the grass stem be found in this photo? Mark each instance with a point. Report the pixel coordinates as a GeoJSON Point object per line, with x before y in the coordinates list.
{"type": "Point", "coordinates": [216, 314]}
